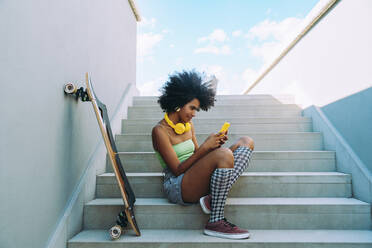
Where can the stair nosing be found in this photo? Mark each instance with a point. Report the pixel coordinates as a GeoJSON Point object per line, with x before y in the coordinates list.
{"type": "Point", "coordinates": [290, 151]}
{"type": "Point", "coordinates": [261, 174]}
{"type": "Point", "coordinates": [251, 133]}
{"type": "Point", "coordinates": [257, 236]}
{"type": "Point", "coordinates": [288, 119]}
{"type": "Point", "coordinates": [279, 105]}
{"type": "Point", "coordinates": [248, 201]}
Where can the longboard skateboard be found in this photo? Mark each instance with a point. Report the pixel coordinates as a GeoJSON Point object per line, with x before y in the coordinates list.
{"type": "Point", "coordinates": [126, 216]}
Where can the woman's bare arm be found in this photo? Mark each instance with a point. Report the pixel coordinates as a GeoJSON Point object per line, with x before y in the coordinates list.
{"type": "Point", "coordinates": [165, 148]}
{"type": "Point", "coordinates": [193, 136]}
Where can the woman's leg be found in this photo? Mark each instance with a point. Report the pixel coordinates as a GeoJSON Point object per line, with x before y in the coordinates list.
{"type": "Point", "coordinates": [242, 151]}
{"type": "Point", "coordinates": [196, 181]}
{"type": "Point", "coordinates": [217, 167]}
{"type": "Point", "coordinates": [212, 172]}
{"type": "Point", "coordinates": [243, 141]}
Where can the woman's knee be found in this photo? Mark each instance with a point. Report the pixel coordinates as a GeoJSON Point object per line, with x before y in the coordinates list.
{"type": "Point", "coordinates": [246, 141]}
{"type": "Point", "coordinates": [225, 157]}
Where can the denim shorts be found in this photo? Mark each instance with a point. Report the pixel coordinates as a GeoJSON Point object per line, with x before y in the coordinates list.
{"type": "Point", "coordinates": [172, 187]}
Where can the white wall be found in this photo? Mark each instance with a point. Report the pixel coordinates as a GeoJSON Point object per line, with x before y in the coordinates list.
{"type": "Point", "coordinates": [331, 68]}
{"type": "Point", "coordinates": [332, 61]}
{"type": "Point", "coordinates": [48, 140]}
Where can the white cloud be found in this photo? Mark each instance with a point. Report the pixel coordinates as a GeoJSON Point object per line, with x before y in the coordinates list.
{"type": "Point", "coordinates": [273, 36]}
{"type": "Point", "coordinates": [151, 88]}
{"type": "Point", "coordinates": [237, 33]}
{"type": "Point", "coordinates": [217, 35]}
{"type": "Point", "coordinates": [216, 70]}
{"type": "Point", "coordinates": [179, 61]}
{"type": "Point", "coordinates": [277, 30]}
{"type": "Point", "coordinates": [214, 49]}
{"type": "Point", "coordinates": [225, 50]}
{"type": "Point", "coordinates": [207, 49]}
{"type": "Point", "coordinates": [146, 43]}
{"type": "Point", "coordinates": [268, 51]}
{"type": "Point", "coordinates": [147, 22]}
{"type": "Point", "coordinates": [228, 82]}
{"type": "Point", "coordinates": [221, 75]}
{"type": "Point", "coordinates": [249, 75]}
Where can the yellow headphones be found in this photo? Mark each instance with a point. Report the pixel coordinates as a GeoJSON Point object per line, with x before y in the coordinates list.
{"type": "Point", "coordinates": [179, 128]}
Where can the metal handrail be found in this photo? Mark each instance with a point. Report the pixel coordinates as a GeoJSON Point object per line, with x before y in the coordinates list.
{"type": "Point", "coordinates": [293, 43]}
{"type": "Point", "coordinates": [135, 10]}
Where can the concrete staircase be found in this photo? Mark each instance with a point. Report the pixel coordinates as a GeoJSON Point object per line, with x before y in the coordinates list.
{"type": "Point", "coordinates": [290, 196]}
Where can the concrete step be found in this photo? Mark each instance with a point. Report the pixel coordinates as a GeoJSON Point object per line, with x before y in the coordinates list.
{"type": "Point", "coordinates": [195, 238]}
{"type": "Point", "coordinates": [227, 99]}
{"type": "Point", "coordinates": [312, 141]}
{"type": "Point", "coordinates": [262, 161]}
{"type": "Point", "coordinates": [226, 111]}
{"type": "Point", "coordinates": [250, 184]}
{"type": "Point", "coordinates": [241, 101]}
{"type": "Point", "coordinates": [224, 102]}
{"type": "Point", "coordinates": [238, 125]}
{"type": "Point", "coordinates": [250, 213]}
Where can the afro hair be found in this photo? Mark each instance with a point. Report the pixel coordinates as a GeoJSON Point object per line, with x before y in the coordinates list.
{"type": "Point", "coordinates": [183, 87]}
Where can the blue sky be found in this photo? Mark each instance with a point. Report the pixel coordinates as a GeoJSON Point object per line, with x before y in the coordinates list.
{"type": "Point", "coordinates": [232, 40]}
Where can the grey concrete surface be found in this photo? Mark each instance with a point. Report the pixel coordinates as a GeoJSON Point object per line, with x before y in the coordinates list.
{"type": "Point", "coordinates": [291, 184]}
{"type": "Point", "coordinates": [263, 141]}
{"type": "Point", "coordinates": [262, 161]}
{"type": "Point", "coordinates": [250, 184]}
{"type": "Point", "coordinates": [257, 239]}
{"type": "Point", "coordinates": [347, 160]}
{"type": "Point", "coordinates": [253, 213]}
{"type": "Point", "coordinates": [221, 100]}
{"type": "Point", "coordinates": [238, 125]}
{"type": "Point", "coordinates": [230, 111]}
{"type": "Point", "coordinates": [47, 138]}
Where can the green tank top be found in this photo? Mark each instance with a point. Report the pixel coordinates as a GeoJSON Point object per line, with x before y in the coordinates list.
{"type": "Point", "coordinates": [183, 150]}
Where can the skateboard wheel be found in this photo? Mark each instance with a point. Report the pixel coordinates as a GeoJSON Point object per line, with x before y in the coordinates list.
{"type": "Point", "coordinates": [121, 219]}
{"type": "Point", "coordinates": [115, 232]}
{"type": "Point", "coordinates": [70, 88]}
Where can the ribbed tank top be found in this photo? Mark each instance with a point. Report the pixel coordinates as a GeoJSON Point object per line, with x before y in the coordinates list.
{"type": "Point", "coordinates": [183, 150]}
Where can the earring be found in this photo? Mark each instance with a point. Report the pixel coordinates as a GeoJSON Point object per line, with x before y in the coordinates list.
{"type": "Point", "coordinates": [178, 109]}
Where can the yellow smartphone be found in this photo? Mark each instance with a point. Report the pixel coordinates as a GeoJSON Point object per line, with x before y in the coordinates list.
{"type": "Point", "coordinates": [224, 128]}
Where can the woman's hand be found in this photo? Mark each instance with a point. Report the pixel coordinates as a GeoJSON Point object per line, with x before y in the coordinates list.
{"type": "Point", "coordinates": [223, 137]}
{"type": "Point", "coordinates": [214, 141]}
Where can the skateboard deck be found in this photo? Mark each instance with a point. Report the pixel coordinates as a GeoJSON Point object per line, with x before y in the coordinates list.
{"type": "Point", "coordinates": [125, 188]}
{"type": "Point", "coordinates": [126, 216]}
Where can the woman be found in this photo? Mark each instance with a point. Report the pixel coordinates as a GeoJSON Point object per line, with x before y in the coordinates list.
{"type": "Point", "coordinates": [195, 173]}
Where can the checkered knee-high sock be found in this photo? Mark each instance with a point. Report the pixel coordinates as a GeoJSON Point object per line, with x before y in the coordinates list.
{"type": "Point", "coordinates": [220, 186]}
{"type": "Point", "coordinates": [242, 159]}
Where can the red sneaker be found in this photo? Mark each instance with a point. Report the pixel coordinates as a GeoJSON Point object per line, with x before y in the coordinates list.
{"type": "Point", "coordinates": [224, 229]}
{"type": "Point", "coordinates": [205, 204]}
